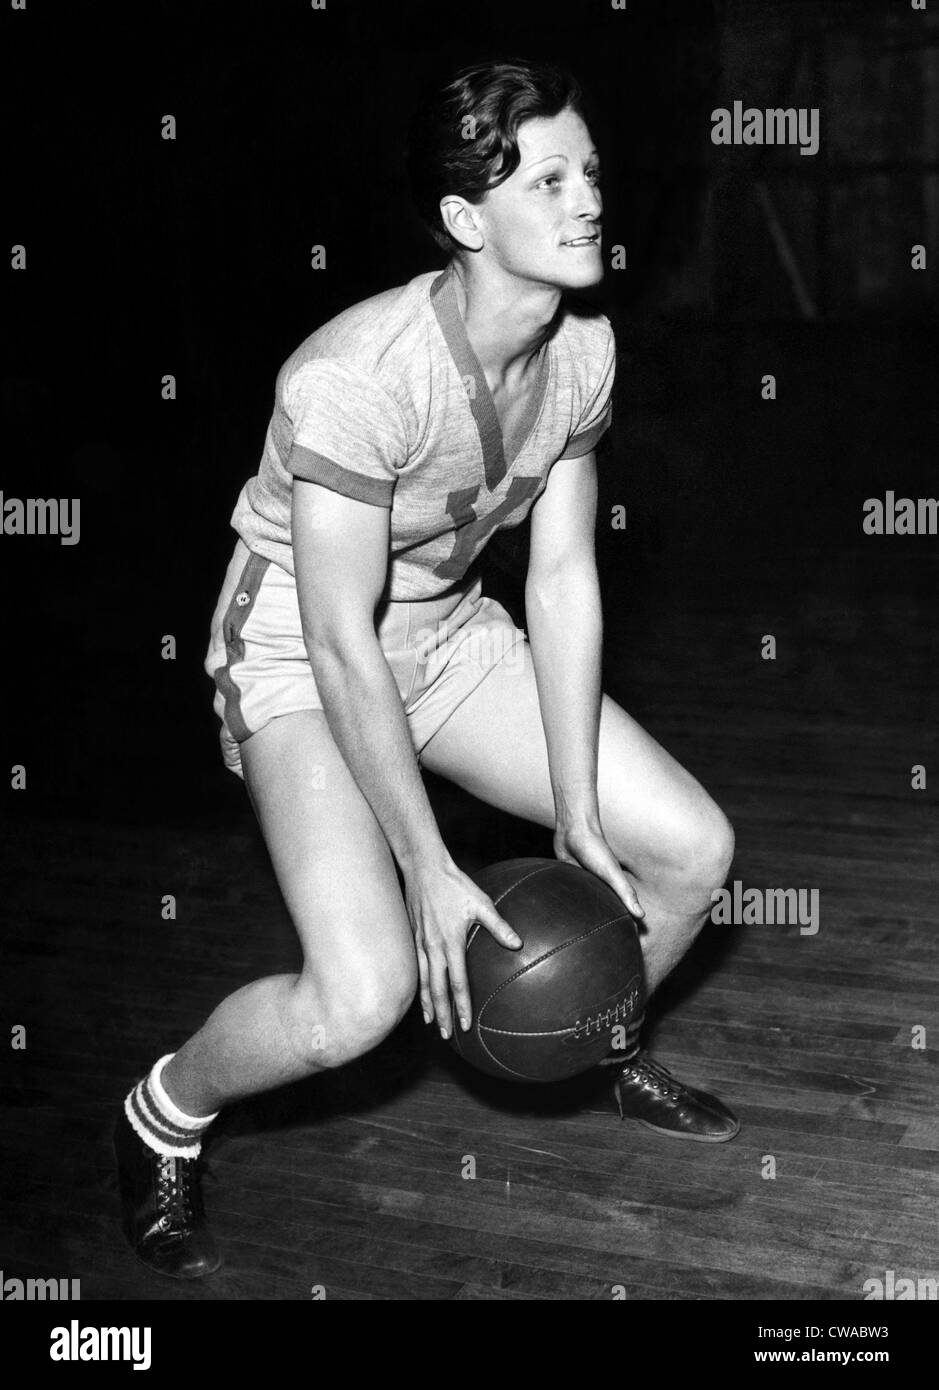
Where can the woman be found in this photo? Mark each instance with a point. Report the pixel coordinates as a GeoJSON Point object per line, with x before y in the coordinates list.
{"type": "Point", "coordinates": [352, 645]}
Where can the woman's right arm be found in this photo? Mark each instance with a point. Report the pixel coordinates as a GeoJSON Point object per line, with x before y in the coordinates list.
{"type": "Point", "coordinates": [340, 549]}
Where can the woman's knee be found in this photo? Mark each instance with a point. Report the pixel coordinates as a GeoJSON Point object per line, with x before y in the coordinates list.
{"type": "Point", "coordinates": [333, 1023]}
{"type": "Point", "coordinates": [710, 849]}
{"type": "Point", "coordinates": [693, 853]}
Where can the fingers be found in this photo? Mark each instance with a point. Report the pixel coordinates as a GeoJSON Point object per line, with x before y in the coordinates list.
{"type": "Point", "coordinates": [449, 968]}
{"type": "Point", "coordinates": [499, 927]}
{"type": "Point", "coordinates": [423, 970]}
{"type": "Point", "coordinates": [623, 887]}
{"type": "Point", "coordinates": [611, 871]}
{"type": "Point", "coordinates": [441, 963]}
{"type": "Point", "coordinates": [459, 983]}
{"type": "Point", "coordinates": [439, 992]}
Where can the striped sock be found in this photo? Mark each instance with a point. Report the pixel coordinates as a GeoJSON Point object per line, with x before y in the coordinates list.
{"type": "Point", "coordinates": [161, 1125]}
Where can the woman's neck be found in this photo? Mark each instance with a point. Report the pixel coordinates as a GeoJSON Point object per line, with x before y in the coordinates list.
{"type": "Point", "coordinates": [507, 320]}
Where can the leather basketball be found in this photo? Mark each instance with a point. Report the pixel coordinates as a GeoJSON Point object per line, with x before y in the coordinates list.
{"type": "Point", "coordinates": [549, 1010]}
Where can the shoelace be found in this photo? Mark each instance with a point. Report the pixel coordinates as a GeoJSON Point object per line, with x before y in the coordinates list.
{"type": "Point", "coordinates": [175, 1193]}
{"type": "Point", "coordinates": [659, 1077]}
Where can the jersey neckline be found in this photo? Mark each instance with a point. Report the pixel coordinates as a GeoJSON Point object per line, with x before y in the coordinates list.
{"type": "Point", "coordinates": [444, 302]}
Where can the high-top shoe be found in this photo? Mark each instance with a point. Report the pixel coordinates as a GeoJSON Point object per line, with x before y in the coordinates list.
{"type": "Point", "coordinates": [163, 1216]}
{"type": "Point", "coordinates": [648, 1092]}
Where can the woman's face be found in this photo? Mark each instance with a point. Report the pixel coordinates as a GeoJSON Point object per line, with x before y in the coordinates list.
{"type": "Point", "coordinates": [543, 223]}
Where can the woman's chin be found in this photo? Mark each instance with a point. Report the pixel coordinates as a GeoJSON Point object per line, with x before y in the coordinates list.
{"type": "Point", "coordinates": [581, 277]}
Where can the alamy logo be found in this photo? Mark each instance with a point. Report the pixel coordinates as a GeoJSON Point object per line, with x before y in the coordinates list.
{"type": "Point", "coordinates": [39, 1290]}
{"type": "Point", "coordinates": [900, 516]}
{"type": "Point", "coordinates": [39, 516]}
{"type": "Point", "coordinates": [890, 1287]}
{"type": "Point", "coordinates": [773, 126]}
{"type": "Point", "coordinates": [76, 1343]}
{"type": "Point", "coordinates": [483, 646]}
{"type": "Point", "coordinates": [769, 907]}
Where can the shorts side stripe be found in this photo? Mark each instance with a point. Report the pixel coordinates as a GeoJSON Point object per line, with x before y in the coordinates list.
{"type": "Point", "coordinates": [236, 615]}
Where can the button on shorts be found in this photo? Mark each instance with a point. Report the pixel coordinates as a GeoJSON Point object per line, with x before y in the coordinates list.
{"type": "Point", "coordinates": [439, 650]}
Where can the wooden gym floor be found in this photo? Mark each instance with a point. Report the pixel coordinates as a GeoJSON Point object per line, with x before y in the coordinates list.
{"type": "Point", "coordinates": [354, 1182]}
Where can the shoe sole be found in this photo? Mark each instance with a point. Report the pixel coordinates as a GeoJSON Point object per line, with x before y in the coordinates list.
{"type": "Point", "coordinates": [686, 1134]}
{"type": "Point", "coordinates": [177, 1278]}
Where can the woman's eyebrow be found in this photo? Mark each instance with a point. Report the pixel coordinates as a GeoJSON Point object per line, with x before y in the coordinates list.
{"type": "Point", "coordinates": [563, 157]}
{"type": "Point", "coordinates": [544, 159]}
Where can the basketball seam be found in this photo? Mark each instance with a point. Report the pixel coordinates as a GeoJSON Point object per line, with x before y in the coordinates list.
{"type": "Point", "coordinates": [522, 1033]}
{"type": "Point", "coordinates": [499, 1063]}
{"type": "Point", "coordinates": [516, 1033]}
{"type": "Point", "coordinates": [542, 868]}
{"type": "Point", "coordinates": [541, 959]}
{"type": "Point", "coordinates": [512, 886]}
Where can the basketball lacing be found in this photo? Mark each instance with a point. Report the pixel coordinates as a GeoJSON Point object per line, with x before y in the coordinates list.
{"type": "Point", "coordinates": [608, 1019]}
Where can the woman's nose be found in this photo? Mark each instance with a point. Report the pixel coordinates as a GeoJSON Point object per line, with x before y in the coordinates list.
{"type": "Point", "coordinates": [589, 199]}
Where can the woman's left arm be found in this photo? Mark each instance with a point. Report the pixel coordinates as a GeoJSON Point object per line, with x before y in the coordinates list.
{"type": "Point", "coordinates": [565, 632]}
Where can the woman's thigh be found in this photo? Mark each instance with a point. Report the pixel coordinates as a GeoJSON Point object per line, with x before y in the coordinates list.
{"type": "Point", "coordinates": [333, 863]}
{"type": "Point", "coordinates": [655, 815]}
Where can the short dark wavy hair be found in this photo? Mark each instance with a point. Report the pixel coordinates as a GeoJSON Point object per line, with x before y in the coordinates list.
{"type": "Point", "coordinates": [498, 96]}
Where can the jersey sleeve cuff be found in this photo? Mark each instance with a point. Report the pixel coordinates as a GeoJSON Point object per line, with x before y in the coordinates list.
{"type": "Point", "coordinates": [582, 444]}
{"type": "Point", "coordinates": [315, 468]}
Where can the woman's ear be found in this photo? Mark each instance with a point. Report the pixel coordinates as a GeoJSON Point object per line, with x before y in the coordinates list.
{"type": "Point", "coordinates": [459, 218]}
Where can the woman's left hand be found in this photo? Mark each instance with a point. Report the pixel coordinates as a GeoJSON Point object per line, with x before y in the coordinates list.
{"type": "Point", "coordinates": [585, 845]}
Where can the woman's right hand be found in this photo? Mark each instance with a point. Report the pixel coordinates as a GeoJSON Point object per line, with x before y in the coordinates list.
{"type": "Point", "coordinates": [443, 903]}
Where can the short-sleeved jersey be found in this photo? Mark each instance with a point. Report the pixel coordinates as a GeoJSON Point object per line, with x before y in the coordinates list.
{"type": "Point", "coordinates": [388, 403]}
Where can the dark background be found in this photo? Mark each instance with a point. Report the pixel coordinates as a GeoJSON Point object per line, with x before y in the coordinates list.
{"type": "Point", "coordinates": [192, 257]}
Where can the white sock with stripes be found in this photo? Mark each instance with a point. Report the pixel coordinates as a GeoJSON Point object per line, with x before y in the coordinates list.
{"type": "Point", "coordinates": [161, 1125]}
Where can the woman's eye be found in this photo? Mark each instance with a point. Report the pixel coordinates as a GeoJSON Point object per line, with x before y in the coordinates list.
{"type": "Point", "coordinates": [554, 180]}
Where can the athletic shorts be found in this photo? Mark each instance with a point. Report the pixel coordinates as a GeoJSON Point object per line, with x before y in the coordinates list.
{"type": "Point", "coordinates": [439, 650]}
